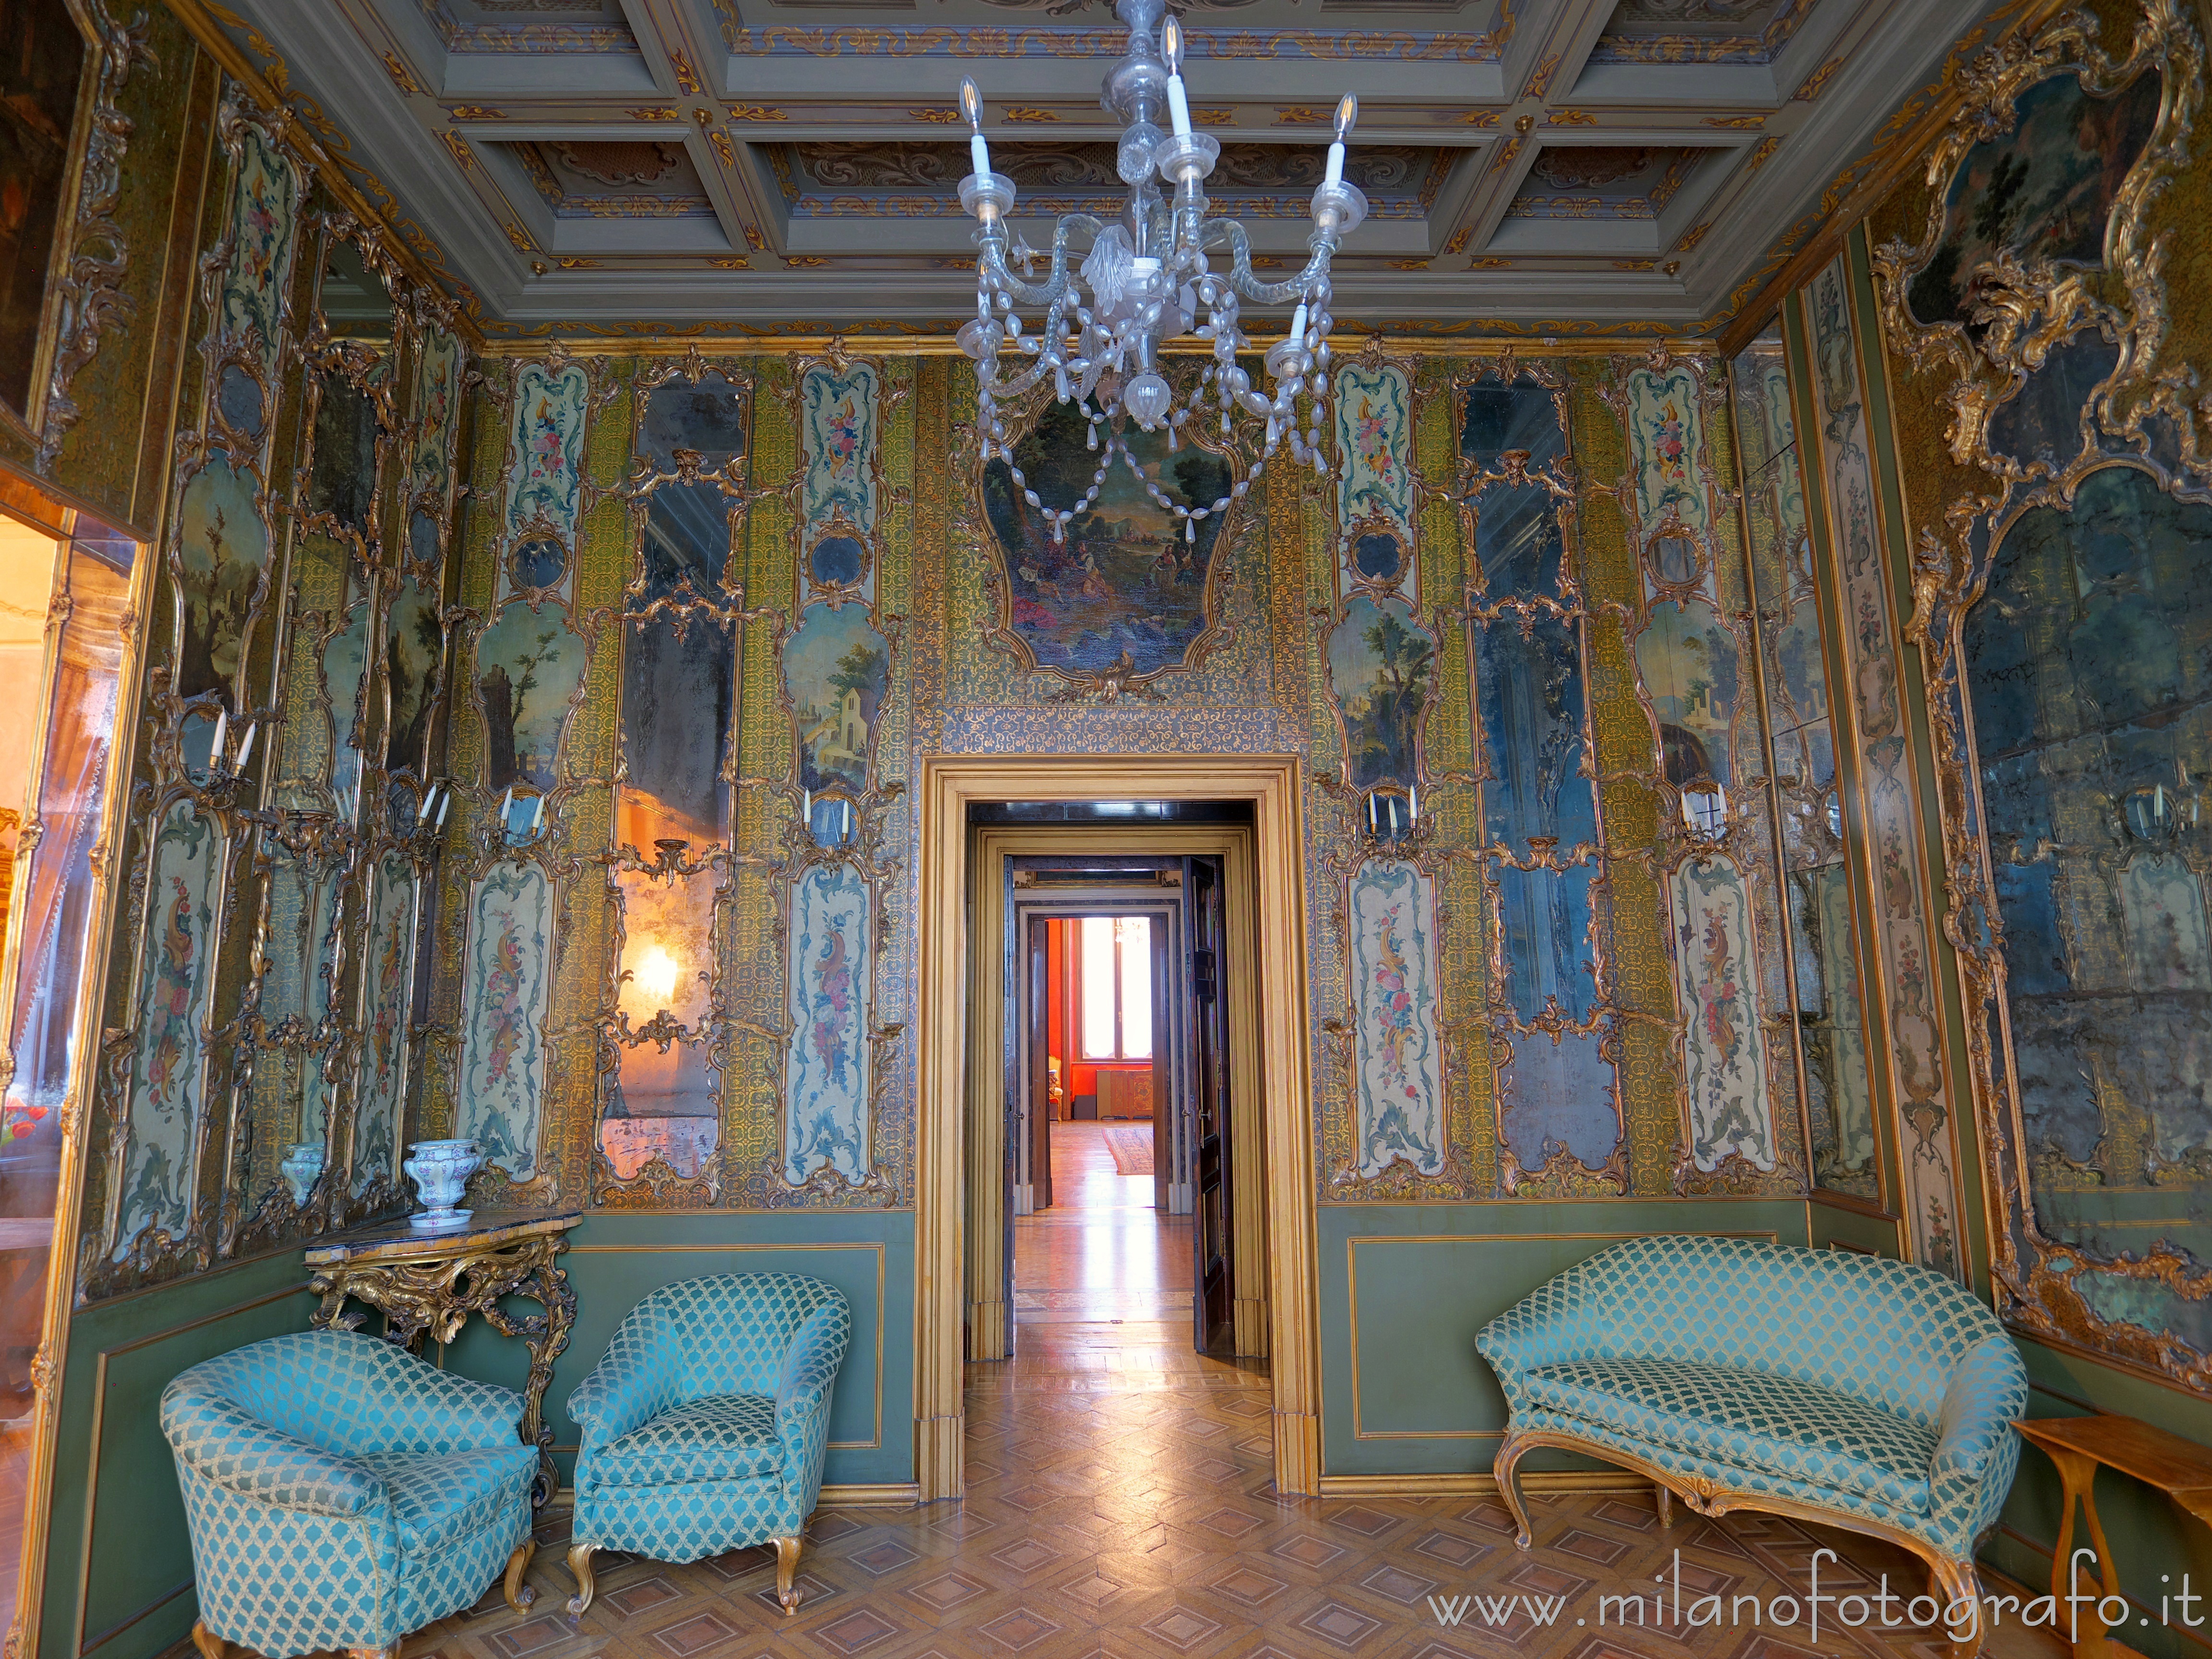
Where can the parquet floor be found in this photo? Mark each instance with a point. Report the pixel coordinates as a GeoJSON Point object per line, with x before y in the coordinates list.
{"type": "Point", "coordinates": [1119, 1503]}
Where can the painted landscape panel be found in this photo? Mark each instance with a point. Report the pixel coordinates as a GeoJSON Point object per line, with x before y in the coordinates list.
{"type": "Point", "coordinates": [1381, 661]}
{"type": "Point", "coordinates": [529, 664]}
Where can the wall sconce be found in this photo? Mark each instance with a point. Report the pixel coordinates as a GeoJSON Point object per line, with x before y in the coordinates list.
{"type": "Point", "coordinates": [2158, 815]}
{"type": "Point", "coordinates": [1706, 811]}
{"type": "Point", "coordinates": [1391, 814]}
{"type": "Point", "coordinates": [221, 764]}
{"type": "Point", "coordinates": [428, 818]}
{"type": "Point", "coordinates": [831, 818]}
{"type": "Point", "coordinates": [521, 815]}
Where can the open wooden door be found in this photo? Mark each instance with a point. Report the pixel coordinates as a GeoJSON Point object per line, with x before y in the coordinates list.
{"type": "Point", "coordinates": [1204, 929]}
{"type": "Point", "coordinates": [1037, 1115]}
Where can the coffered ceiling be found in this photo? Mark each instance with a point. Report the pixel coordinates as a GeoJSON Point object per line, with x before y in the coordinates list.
{"type": "Point", "coordinates": [771, 164]}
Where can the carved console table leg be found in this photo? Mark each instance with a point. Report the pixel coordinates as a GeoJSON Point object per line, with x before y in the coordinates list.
{"type": "Point", "coordinates": [2077, 1473]}
{"type": "Point", "coordinates": [427, 1284]}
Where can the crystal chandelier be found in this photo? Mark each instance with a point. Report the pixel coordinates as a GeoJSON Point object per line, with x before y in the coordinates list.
{"type": "Point", "coordinates": [1150, 275]}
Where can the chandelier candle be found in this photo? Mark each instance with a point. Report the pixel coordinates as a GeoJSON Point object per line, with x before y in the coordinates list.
{"type": "Point", "coordinates": [1148, 277]}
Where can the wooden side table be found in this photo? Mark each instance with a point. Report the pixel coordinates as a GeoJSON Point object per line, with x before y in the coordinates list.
{"type": "Point", "coordinates": [2180, 1468]}
{"type": "Point", "coordinates": [427, 1282]}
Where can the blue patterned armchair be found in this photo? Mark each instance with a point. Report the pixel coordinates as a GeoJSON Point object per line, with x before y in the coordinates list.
{"type": "Point", "coordinates": [1866, 1393]}
{"type": "Point", "coordinates": [342, 1493]}
{"type": "Point", "coordinates": [706, 1422]}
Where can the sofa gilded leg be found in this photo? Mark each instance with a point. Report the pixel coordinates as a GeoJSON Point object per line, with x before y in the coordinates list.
{"type": "Point", "coordinates": [786, 1572]}
{"type": "Point", "coordinates": [1955, 1586]}
{"type": "Point", "coordinates": [519, 1595]}
{"type": "Point", "coordinates": [1509, 1454]}
{"type": "Point", "coordinates": [211, 1645]}
{"type": "Point", "coordinates": [580, 1564]}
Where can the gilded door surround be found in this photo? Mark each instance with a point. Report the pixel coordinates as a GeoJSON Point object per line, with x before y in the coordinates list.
{"type": "Point", "coordinates": [990, 1322]}
{"type": "Point", "coordinates": [1282, 1066]}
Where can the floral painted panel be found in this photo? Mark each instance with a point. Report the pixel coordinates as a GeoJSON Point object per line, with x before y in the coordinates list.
{"type": "Point", "coordinates": [168, 1060]}
{"type": "Point", "coordinates": [390, 971]}
{"type": "Point", "coordinates": [1381, 664]}
{"type": "Point", "coordinates": [1375, 485]}
{"type": "Point", "coordinates": [839, 414]}
{"type": "Point", "coordinates": [1398, 1057]}
{"type": "Point", "coordinates": [222, 552]}
{"type": "Point", "coordinates": [1667, 446]}
{"type": "Point", "coordinates": [545, 482]}
{"type": "Point", "coordinates": [529, 664]}
{"type": "Point", "coordinates": [1716, 982]}
{"type": "Point", "coordinates": [507, 978]}
{"type": "Point", "coordinates": [1917, 1063]}
{"type": "Point", "coordinates": [264, 231]}
{"type": "Point", "coordinates": [435, 411]}
{"type": "Point", "coordinates": [826, 1072]}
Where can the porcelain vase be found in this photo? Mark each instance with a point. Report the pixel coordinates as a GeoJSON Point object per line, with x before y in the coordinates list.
{"type": "Point", "coordinates": [302, 1168]}
{"type": "Point", "coordinates": [440, 1170]}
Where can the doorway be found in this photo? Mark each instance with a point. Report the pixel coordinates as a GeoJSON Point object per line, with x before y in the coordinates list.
{"type": "Point", "coordinates": [963, 1310]}
{"type": "Point", "coordinates": [1096, 1058]}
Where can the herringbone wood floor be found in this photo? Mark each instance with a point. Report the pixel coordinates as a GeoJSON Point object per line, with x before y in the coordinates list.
{"type": "Point", "coordinates": [1118, 1503]}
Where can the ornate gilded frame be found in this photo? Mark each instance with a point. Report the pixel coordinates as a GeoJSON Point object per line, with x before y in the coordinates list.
{"type": "Point", "coordinates": [2036, 306]}
{"type": "Point", "coordinates": [1112, 684]}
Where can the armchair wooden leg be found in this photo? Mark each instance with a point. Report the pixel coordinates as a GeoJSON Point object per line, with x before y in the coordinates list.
{"type": "Point", "coordinates": [580, 1564]}
{"type": "Point", "coordinates": [1955, 1586]}
{"type": "Point", "coordinates": [211, 1645]}
{"type": "Point", "coordinates": [519, 1595]}
{"type": "Point", "coordinates": [1666, 1503]}
{"type": "Point", "coordinates": [389, 1651]}
{"type": "Point", "coordinates": [786, 1572]}
{"type": "Point", "coordinates": [1509, 1454]}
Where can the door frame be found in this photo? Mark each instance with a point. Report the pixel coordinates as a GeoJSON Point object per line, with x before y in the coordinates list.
{"type": "Point", "coordinates": [952, 910]}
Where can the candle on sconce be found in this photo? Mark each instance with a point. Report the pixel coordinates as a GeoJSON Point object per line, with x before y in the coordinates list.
{"type": "Point", "coordinates": [538, 819]}
{"type": "Point", "coordinates": [1413, 806]}
{"type": "Point", "coordinates": [215, 745]}
{"type": "Point", "coordinates": [246, 746]}
{"type": "Point", "coordinates": [845, 820]}
{"type": "Point", "coordinates": [1374, 825]}
{"type": "Point", "coordinates": [445, 805]}
{"type": "Point", "coordinates": [1178, 100]}
{"type": "Point", "coordinates": [506, 808]}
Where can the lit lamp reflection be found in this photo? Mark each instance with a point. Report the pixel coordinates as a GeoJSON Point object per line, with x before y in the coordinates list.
{"type": "Point", "coordinates": [656, 975]}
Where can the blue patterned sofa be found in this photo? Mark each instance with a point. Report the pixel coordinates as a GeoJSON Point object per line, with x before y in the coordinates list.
{"type": "Point", "coordinates": [1864, 1393]}
{"type": "Point", "coordinates": [706, 1422]}
{"type": "Point", "coordinates": [342, 1493]}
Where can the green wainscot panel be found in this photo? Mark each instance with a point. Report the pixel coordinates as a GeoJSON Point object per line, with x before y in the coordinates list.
{"type": "Point", "coordinates": [119, 1566]}
{"type": "Point", "coordinates": [1405, 1288]}
{"type": "Point", "coordinates": [614, 1260]}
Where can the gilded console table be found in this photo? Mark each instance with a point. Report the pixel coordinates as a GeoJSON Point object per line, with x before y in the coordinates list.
{"type": "Point", "coordinates": [429, 1284]}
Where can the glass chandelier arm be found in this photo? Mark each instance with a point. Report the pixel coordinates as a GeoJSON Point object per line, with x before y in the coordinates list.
{"type": "Point", "coordinates": [1239, 275]}
{"type": "Point", "coordinates": [994, 276]}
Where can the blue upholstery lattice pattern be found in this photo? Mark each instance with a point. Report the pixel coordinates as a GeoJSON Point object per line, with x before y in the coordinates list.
{"type": "Point", "coordinates": [706, 1422]}
{"type": "Point", "coordinates": [1872, 1388]}
{"type": "Point", "coordinates": [340, 1493]}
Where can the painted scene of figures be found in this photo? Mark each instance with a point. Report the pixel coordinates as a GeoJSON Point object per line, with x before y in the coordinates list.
{"type": "Point", "coordinates": [1122, 590]}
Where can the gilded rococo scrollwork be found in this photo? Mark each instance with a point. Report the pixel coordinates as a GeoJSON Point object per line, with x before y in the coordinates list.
{"type": "Point", "coordinates": [2032, 306]}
